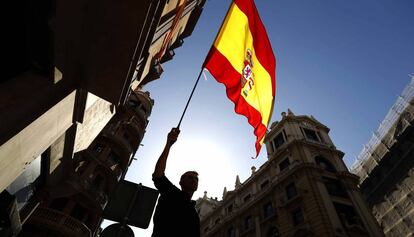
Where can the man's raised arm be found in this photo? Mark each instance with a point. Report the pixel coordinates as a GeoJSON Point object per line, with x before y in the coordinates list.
{"type": "Point", "coordinates": [162, 161]}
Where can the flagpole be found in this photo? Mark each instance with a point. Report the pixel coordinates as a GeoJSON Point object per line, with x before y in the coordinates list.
{"type": "Point", "coordinates": [201, 71]}
{"type": "Point", "coordinates": [189, 99]}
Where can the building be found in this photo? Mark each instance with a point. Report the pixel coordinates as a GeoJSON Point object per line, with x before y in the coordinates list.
{"type": "Point", "coordinates": [386, 168]}
{"type": "Point", "coordinates": [72, 107]}
{"type": "Point", "coordinates": [303, 189]}
{"type": "Point", "coordinates": [74, 206]}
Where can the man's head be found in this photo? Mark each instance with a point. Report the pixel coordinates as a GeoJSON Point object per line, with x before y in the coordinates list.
{"type": "Point", "coordinates": [189, 181]}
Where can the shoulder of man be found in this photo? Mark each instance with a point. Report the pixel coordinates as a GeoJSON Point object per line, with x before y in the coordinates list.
{"type": "Point", "coordinates": [164, 185]}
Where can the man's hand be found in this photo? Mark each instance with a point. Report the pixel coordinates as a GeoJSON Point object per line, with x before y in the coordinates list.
{"type": "Point", "coordinates": [172, 136]}
{"type": "Point", "coordinates": [162, 161]}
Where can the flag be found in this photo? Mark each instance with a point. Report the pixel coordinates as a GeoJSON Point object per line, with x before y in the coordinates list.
{"type": "Point", "coordinates": [242, 59]}
{"type": "Point", "coordinates": [168, 38]}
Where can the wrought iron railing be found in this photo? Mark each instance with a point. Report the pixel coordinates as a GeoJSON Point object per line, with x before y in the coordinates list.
{"type": "Point", "coordinates": [59, 222]}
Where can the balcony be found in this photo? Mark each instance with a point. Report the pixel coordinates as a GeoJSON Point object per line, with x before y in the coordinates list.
{"type": "Point", "coordinates": [137, 116]}
{"type": "Point", "coordinates": [96, 195]}
{"type": "Point", "coordinates": [132, 134]}
{"type": "Point", "coordinates": [59, 223]}
{"type": "Point", "coordinates": [119, 144]}
{"type": "Point", "coordinates": [111, 169]}
{"type": "Point", "coordinates": [154, 73]}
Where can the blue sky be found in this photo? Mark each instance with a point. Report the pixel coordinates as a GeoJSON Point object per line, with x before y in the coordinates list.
{"type": "Point", "coordinates": [344, 62]}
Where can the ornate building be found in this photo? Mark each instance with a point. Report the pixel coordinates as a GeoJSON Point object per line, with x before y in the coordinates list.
{"type": "Point", "coordinates": [386, 168]}
{"type": "Point", "coordinates": [304, 189]}
{"type": "Point", "coordinates": [72, 109]}
{"type": "Point", "coordinates": [74, 206]}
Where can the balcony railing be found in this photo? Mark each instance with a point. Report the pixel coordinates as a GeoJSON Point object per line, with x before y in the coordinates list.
{"type": "Point", "coordinates": [95, 194]}
{"type": "Point", "coordinates": [59, 222]}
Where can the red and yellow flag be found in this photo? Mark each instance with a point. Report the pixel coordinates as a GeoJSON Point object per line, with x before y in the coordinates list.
{"type": "Point", "coordinates": [243, 60]}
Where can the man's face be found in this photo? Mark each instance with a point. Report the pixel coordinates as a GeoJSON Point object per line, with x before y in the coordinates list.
{"type": "Point", "coordinates": [189, 182]}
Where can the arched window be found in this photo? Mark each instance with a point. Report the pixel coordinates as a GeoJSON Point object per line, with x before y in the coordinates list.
{"type": "Point", "coordinates": [325, 164]}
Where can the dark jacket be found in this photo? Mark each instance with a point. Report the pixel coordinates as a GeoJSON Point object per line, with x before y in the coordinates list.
{"type": "Point", "coordinates": [175, 215]}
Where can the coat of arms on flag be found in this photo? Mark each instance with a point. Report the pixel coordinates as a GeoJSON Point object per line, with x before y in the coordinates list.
{"type": "Point", "coordinates": [247, 79]}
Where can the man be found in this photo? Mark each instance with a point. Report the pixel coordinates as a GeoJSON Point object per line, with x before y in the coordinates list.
{"type": "Point", "coordinates": [175, 215]}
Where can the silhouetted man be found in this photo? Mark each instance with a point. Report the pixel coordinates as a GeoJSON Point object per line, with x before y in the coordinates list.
{"type": "Point", "coordinates": [175, 215]}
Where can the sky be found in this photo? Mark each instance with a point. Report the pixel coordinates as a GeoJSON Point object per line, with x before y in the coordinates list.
{"type": "Point", "coordinates": [344, 62]}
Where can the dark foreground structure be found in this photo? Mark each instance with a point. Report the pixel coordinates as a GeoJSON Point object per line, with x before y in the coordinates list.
{"type": "Point", "coordinates": [72, 108]}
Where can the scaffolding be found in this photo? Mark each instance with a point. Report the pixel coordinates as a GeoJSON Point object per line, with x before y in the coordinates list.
{"type": "Point", "coordinates": [368, 153]}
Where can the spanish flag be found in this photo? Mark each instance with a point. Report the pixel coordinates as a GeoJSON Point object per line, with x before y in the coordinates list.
{"type": "Point", "coordinates": [243, 60]}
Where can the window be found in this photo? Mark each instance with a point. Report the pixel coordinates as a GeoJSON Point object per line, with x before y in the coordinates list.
{"type": "Point", "coordinates": [297, 216]}
{"type": "Point", "coordinates": [278, 141]}
{"type": "Point", "coordinates": [291, 191]}
{"type": "Point", "coordinates": [347, 214]}
{"type": "Point", "coordinates": [334, 187]}
{"type": "Point", "coordinates": [231, 232]}
{"type": "Point", "coordinates": [284, 164]}
{"type": "Point", "coordinates": [311, 135]}
{"type": "Point", "coordinates": [247, 198]}
{"type": "Point", "coordinates": [268, 209]}
{"type": "Point", "coordinates": [325, 164]}
{"type": "Point", "coordinates": [264, 184]}
{"type": "Point", "coordinates": [24, 186]}
{"type": "Point", "coordinates": [230, 208]}
{"type": "Point", "coordinates": [114, 158]}
{"type": "Point", "coordinates": [248, 222]}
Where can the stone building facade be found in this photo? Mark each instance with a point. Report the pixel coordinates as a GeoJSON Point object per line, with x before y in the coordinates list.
{"type": "Point", "coordinates": [304, 189]}
{"type": "Point", "coordinates": [386, 168]}
{"type": "Point", "coordinates": [72, 108]}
